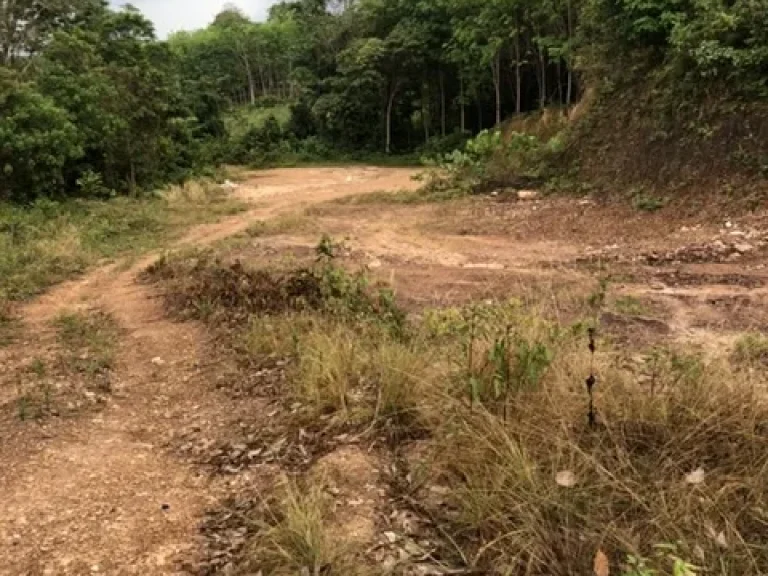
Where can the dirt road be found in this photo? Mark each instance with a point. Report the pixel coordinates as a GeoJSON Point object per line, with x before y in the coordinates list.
{"type": "Point", "coordinates": [99, 493]}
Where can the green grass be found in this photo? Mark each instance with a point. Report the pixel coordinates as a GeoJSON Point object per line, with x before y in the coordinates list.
{"type": "Point", "coordinates": [48, 242]}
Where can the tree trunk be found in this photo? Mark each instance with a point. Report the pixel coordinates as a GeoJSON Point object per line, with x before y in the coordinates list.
{"type": "Point", "coordinates": [390, 104]}
{"type": "Point", "coordinates": [442, 103]}
{"type": "Point", "coordinates": [479, 116]}
{"type": "Point", "coordinates": [425, 111]}
{"type": "Point", "coordinates": [518, 77]}
{"type": "Point", "coordinates": [463, 111]}
{"type": "Point", "coordinates": [262, 80]}
{"type": "Point", "coordinates": [132, 179]}
{"type": "Point", "coordinates": [543, 80]}
{"type": "Point", "coordinates": [496, 69]}
{"type": "Point", "coordinates": [569, 90]}
{"type": "Point", "coordinates": [251, 83]}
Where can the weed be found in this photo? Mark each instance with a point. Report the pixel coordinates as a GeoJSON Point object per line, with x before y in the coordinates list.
{"type": "Point", "coordinates": [38, 367]}
{"type": "Point", "coordinates": [596, 300]}
{"type": "Point", "coordinates": [751, 349]}
{"type": "Point", "coordinates": [648, 203]}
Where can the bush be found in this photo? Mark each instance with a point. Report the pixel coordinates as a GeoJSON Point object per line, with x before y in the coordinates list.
{"type": "Point", "coordinates": [302, 122]}
{"type": "Point", "coordinates": [37, 140]}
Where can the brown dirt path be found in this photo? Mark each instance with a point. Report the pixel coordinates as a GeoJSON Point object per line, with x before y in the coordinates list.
{"type": "Point", "coordinates": [100, 494]}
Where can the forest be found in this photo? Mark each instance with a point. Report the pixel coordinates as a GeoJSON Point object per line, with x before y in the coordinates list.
{"type": "Point", "coordinates": [94, 104]}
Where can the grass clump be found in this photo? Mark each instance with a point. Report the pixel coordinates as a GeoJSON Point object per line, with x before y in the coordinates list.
{"type": "Point", "coordinates": [750, 349]}
{"type": "Point", "coordinates": [48, 241]}
{"type": "Point", "coordinates": [293, 537]}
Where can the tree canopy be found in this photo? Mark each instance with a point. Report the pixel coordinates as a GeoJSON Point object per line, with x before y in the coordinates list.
{"type": "Point", "coordinates": [88, 93]}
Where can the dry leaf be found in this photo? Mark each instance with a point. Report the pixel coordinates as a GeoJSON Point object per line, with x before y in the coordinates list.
{"type": "Point", "coordinates": [566, 479]}
{"type": "Point", "coordinates": [695, 477]}
{"type": "Point", "coordinates": [602, 565]}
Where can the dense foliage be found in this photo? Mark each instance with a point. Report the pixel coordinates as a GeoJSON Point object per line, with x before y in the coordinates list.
{"type": "Point", "coordinates": [92, 103]}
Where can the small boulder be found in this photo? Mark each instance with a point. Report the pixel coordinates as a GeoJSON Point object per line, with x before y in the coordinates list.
{"type": "Point", "coordinates": [743, 248]}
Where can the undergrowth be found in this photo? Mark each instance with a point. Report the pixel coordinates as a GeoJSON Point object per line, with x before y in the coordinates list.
{"type": "Point", "coordinates": [671, 474]}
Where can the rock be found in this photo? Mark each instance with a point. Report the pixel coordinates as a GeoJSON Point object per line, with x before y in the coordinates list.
{"type": "Point", "coordinates": [157, 361]}
{"type": "Point", "coordinates": [695, 477]}
{"type": "Point", "coordinates": [391, 537]}
{"type": "Point", "coordinates": [658, 286]}
{"type": "Point", "coordinates": [374, 264]}
{"type": "Point", "coordinates": [229, 185]}
{"type": "Point", "coordinates": [495, 193]}
{"type": "Point", "coordinates": [729, 224]}
{"type": "Point", "coordinates": [566, 479]}
{"type": "Point", "coordinates": [527, 195]}
{"type": "Point", "coordinates": [743, 248]}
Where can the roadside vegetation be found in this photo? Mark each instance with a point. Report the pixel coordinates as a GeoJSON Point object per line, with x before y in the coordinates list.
{"type": "Point", "coordinates": [50, 241]}
{"type": "Point", "coordinates": [515, 472]}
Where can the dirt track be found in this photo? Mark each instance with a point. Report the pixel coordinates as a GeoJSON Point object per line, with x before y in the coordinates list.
{"type": "Point", "coordinates": [101, 494]}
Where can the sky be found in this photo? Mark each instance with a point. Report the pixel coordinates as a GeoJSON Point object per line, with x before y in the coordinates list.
{"type": "Point", "coordinates": [174, 15]}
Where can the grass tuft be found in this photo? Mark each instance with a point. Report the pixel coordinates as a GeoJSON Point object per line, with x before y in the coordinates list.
{"type": "Point", "coordinates": [293, 537]}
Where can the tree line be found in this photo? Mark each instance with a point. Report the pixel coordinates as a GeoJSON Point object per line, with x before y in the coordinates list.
{"type": "Point", "coordinates": [91, 102]}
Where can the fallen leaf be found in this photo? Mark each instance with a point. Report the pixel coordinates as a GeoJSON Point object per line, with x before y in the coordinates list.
{"type": "Point", "coordinates": [566, 479]}
{"type": "Point", "coordinates": [695, 477]}
{"type": "Point", "coordinates": [602, 566]}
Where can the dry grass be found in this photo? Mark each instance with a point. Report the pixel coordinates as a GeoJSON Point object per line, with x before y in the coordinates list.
{"type": "Point", "coordinates": [292, 536]}
{"type": "Point", "coordinates": [285, 224]}
{"type": "Point", "coordinates": [676, 469]}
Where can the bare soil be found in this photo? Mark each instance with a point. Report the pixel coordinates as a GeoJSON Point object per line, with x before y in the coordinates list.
{"type": "Point", "coordinates": [118, 491]}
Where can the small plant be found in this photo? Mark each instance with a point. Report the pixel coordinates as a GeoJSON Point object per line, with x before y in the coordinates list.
{"type": "Point", "coordinates": [596, 300]}
{"type": "Point", "coordinates": [648, 203]}
{"type": "Point", "coordinates": [91, 185]}
{"type": "Point", "coordinates": [630, 306]}
{"type": "Point", "coordinates": [751, 349]}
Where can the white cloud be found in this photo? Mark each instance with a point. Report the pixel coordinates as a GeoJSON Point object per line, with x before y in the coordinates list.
{"type": "Point", "coordinates": [174, 15]}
